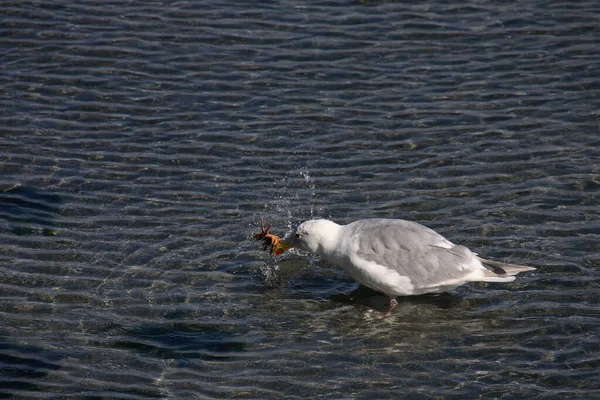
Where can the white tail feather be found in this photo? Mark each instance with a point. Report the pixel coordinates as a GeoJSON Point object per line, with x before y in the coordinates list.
{"type": "Point", "coordinates": [498, 278]}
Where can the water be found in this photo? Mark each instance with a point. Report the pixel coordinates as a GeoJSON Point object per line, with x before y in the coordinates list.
{"type": "Point", "coordinates": [142, 143]}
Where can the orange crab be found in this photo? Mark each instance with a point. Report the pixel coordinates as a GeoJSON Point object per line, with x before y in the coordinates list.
{"type": "Point", "coordinates": [269, 241]}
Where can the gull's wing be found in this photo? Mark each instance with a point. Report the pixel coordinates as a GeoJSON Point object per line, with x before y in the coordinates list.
{"type": "Point", "coordinates": [410, 249]}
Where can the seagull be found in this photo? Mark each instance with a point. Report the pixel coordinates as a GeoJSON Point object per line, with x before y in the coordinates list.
{"type": "Point", "coordinates": [394, 256]}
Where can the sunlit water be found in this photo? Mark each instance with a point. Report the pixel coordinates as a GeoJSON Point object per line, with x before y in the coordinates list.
{"type": "Point", "coordinates": [142, 144]}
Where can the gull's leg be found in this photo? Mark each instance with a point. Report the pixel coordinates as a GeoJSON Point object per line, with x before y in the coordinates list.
{"type": "Point", "coordinates": [393, 304]}
{"type": "Point", "coordinates": [372, 314]}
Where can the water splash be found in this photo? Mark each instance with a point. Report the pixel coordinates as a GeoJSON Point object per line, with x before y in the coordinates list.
{"type": "Point", "coordinates": [292, 195]}
{"type": "Point", "coordinates": [310, 183]}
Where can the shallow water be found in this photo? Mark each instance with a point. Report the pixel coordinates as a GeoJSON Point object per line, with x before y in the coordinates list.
{"type": "Point", "coordinates": [142, 143]}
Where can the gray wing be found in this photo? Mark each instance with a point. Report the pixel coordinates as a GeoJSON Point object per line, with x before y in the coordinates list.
{"type": "Point", "coordinates": [411, 249]}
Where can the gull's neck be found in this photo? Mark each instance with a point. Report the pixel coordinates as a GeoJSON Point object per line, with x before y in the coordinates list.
{"type": "Point", "coordinates": [329, 237]}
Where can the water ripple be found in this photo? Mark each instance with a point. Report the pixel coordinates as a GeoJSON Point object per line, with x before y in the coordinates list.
{"type": "Point", "coordinates": [143, 143]}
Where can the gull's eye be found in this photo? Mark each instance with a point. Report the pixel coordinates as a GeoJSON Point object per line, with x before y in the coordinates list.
{"type": "Point", "coordinates": [297, 235]}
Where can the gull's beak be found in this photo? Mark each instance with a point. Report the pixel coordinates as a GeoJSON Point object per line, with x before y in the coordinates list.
{"type": "Point", "coordinates": [281, 247]}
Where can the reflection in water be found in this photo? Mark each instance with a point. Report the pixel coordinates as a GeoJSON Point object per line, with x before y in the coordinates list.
{"type": "Point", "coordinates": [366, 296]}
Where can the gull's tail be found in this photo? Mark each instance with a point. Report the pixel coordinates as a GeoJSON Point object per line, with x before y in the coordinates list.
{"type": "Point", "coordinates": [502, 272]}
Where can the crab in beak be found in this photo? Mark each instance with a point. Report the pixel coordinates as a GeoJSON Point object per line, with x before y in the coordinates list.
{"type": "Point", "coordinates": [271, 242]}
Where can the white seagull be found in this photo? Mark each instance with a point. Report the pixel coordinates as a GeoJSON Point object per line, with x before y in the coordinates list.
{"type": "Point", "coordinates": [394, 256]}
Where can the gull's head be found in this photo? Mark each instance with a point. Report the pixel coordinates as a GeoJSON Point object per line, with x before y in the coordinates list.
{"type": "Point", "coordinates": [317, 236]}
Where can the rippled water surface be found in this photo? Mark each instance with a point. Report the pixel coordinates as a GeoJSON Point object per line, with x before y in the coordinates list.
{"type": "Point", "coordinates": [142, 142]}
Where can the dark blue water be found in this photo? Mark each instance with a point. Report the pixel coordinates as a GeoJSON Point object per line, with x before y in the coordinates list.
{"type": "Point", "coordinates": [141, 143]}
